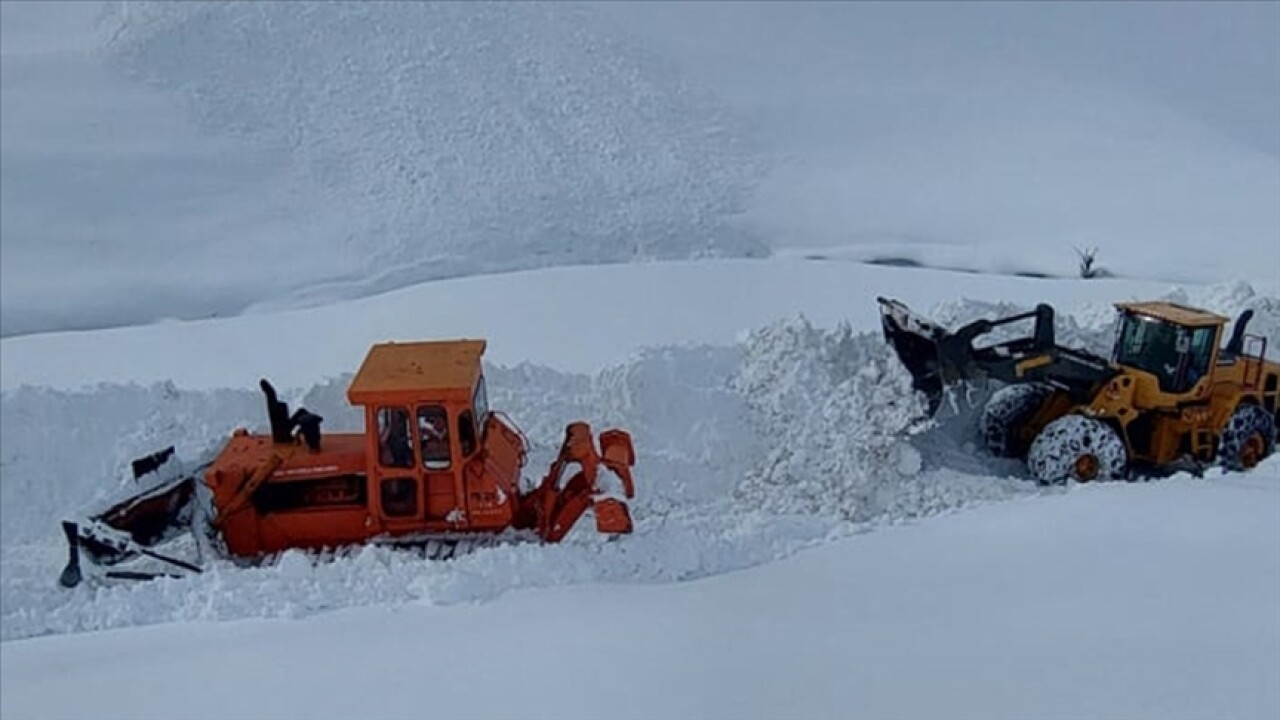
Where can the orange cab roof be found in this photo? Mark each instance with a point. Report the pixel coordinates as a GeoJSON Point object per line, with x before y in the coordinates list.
{"type": "Point", "coordinates": [412, 367]}
{"type": "Point", "coordinates": [1173, 312]}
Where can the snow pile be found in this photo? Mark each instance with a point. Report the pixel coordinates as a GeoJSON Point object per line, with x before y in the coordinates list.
{"type": "Point", "coordinates": [835, 410]}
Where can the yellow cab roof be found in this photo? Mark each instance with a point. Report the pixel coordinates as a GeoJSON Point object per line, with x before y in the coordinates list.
{"type": "Point", "coordinates": [415, 368]}
{"type": "Point", "coordinates": [1174, 313]}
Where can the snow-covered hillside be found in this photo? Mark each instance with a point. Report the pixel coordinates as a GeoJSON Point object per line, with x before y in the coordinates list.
{"type": "Point", "coordinates": [342, 149]}
{"type": "Point", "coordinates": [1023, 131]}
{"type": "Point", "coordinates": [220, 156]}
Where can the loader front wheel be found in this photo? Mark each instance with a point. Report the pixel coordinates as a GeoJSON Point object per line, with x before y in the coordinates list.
{"type": "Point", "coordinates": [1248, 438]}
{"type": "Point", "coordinates": [1075, 447]}
{"type": "Point", "coordinates": [1004, 415]}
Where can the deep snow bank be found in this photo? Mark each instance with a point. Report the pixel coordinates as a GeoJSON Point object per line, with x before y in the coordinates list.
{"type": "Point", "coordinates": [747, 453]}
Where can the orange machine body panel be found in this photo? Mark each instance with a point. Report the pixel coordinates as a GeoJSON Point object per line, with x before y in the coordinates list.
{"type": "Point", "coordinates": [313, 499]}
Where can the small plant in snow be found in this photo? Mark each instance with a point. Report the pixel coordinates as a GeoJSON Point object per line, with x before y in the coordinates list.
{"type": "Point", "coordinates": [1087, 260]}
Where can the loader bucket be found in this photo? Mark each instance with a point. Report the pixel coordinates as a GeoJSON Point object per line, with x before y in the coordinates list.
{"type": "Point", "coordinates": [917, 343]}
{"type": "Point", "coordinates": [133, 526]}
{"type": "Point", "coordinates": [937, 357]}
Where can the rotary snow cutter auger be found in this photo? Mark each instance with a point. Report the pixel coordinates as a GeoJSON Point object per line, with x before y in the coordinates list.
{"type": "Point", "coordinates": [552, 508]}
{"type": "Point", "coordinates": [434, 465]}
{"type": "Point", "coordinates": [1168, 398]}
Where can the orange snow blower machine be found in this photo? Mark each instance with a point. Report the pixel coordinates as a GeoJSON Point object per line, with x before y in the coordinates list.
{"type": "Point", "coordinates": [435, 467]}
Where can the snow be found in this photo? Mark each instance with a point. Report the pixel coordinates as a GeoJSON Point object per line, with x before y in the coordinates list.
{"type": "Point", "coordinates": [201, 160]}
{"type": "Point", "coordinates": [1005, 135]}
{"type": "Point", "coordinates": [571, 318]}
{"type": "Point", "coordinates": [834, 408]}
{"type": "Point", "coordinates": [362, 147]}
{"type": "Point", "coordinates": [1137, 591]}
{"type": "Point", "coordinates": [749, 450]}
{"type": "Point", "coordinates": [199, 195]}
{"type": "Point", "coordinates": [1119, 601]}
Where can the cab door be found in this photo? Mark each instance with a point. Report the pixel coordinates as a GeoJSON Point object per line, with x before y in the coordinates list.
{"type": "Point", "coordinates": [396, 495]}
{"type": "Point", "coordinates": [438, 466]}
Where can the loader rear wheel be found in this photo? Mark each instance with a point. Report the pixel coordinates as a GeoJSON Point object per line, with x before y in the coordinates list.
{"type": "Point", "coordinates": [1075, 447]}
{"type": "Point", "coordinates": [1008, 410]}
{"type": "Point", "coordinates": [1248, 438]}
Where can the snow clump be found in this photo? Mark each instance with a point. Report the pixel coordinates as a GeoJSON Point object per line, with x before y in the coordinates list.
{"type": "Point", "coordinates": [836, 410]}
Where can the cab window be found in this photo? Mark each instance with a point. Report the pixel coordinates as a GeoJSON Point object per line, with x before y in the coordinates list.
{"type": "Point", "coordinates": [394, 449]}
{"type": "Point", "coordinates": [1201, 352]}
{"type": "Point", "coordinates": [1177, 355]}
{"type": "Point", "coordinates": [480, 402]}
{"type": "Point", "coordinates": [466, 433]}
{"type": "Point", "coordinates": [433, 436]}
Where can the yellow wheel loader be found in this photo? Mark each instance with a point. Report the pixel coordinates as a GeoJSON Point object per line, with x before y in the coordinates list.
{"type": "Point", "coordinates": [1172, 396]}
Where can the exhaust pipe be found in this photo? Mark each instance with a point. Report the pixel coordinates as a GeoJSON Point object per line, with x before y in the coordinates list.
{"type": "Point", "coordinates": [282, 424]}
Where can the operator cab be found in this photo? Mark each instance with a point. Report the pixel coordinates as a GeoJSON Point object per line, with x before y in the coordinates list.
{"type": "Point", "coordinates": [425, 412]}
{"type": "Point", "coordinates": [1175, 343]}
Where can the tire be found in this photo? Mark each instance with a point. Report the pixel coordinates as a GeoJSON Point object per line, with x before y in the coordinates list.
{"type": "Point", "coordinates": [1007, 410]}
{"type": "Point", "coordinates": [1249, 436]}
{"type": "Point", "coordinates": [1075, 447]}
